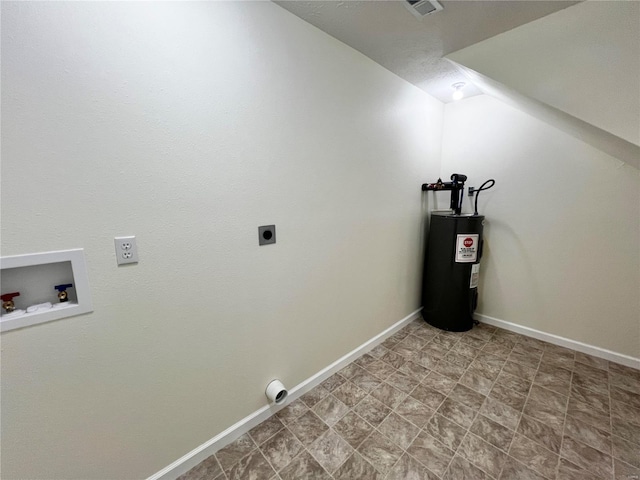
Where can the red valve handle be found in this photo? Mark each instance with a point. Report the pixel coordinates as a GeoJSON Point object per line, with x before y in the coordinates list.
{"type": "Point", "coordinates": [7, 297]}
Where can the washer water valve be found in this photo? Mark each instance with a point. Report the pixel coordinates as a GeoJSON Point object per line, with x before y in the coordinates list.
{"type": "Point", "coordinates": [62, 291]}
{"type": "Point", "coordinates": [7, 301]}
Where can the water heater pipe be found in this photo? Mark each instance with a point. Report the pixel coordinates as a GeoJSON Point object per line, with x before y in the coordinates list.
{"type": "Point", "coordinates": [456, 185]}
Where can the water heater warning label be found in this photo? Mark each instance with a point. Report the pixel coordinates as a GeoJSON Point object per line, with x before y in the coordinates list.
{"type": "Point", "coordinates": [467, 248]}
{"type": "Point", "coordinates": [475, 275]}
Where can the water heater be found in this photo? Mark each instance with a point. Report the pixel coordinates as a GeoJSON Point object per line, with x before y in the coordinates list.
{"type": "Point", "coordinates": [452, 260]}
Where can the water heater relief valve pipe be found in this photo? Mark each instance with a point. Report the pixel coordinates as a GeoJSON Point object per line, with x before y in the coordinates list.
{"type": "Point", "coordinates": [456, 185]}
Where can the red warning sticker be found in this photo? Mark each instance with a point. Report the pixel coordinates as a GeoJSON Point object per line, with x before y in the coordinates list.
{"type": "Point", "coordinates": [467, 248]}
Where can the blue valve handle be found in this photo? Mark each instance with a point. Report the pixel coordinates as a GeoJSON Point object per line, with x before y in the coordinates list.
{"type": "Point", "coordinates": [63, 287]}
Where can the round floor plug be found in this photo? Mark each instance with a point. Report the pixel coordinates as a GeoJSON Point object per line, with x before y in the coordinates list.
{"type": "Point", "coordinates": [275, 392]}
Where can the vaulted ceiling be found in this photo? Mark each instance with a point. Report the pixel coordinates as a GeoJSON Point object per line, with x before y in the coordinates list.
{"type": "Point", "coordinates": [575, 65]}
{"type": "Point", "coordinates": [413, 47]}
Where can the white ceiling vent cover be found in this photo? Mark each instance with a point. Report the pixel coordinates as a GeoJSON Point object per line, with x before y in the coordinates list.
{"type": "Point", "coordinates": [421, 8]}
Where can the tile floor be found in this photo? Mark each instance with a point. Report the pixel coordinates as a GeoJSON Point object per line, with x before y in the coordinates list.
{"type": "Point", "coordinates": [428, 404]}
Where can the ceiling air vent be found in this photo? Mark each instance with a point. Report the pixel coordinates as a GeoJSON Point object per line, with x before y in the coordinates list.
{"type": "Point", "coordinates": [421, 8]}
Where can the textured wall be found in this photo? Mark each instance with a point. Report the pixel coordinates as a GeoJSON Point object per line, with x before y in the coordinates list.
{"type": "Point", "coordinates": [563, 225]}
{"type": "Point", "coordinates": [188, 125]}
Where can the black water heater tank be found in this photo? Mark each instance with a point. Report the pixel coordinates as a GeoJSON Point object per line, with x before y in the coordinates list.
{"type": "Point", "coordinates": [451, 270]}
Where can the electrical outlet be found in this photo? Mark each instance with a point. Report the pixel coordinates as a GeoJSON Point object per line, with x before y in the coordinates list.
{"type": "Point", "coordinates": [266, 234]}
{"type": "Point", "coordinates": [126, 250]}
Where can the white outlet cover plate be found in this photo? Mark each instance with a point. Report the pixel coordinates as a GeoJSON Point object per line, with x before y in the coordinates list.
{"type": "Point", "coordinates": [126, 250]}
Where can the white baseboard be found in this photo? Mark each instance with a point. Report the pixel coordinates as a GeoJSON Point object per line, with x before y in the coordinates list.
{"type": "Point", "coordinates": [197, 455]}
{"type": "Point", "coordinates": [563, 342]}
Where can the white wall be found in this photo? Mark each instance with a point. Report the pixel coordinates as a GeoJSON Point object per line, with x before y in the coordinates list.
{"type": "Point", "coordinates": [583, 60]}
{"type": "Point", "coordinates": [586, 132]}
{"type": "Point", "coordinates": [188, 125]}
{"type": "Point", "coordinates": [563, 225]}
